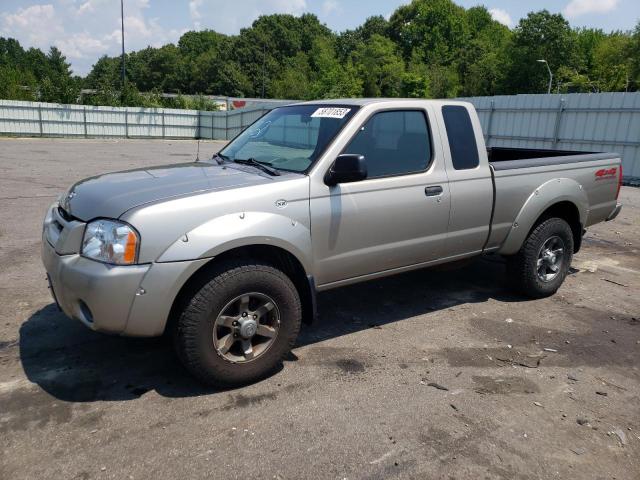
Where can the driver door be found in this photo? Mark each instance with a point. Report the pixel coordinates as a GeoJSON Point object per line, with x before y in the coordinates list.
{"type": "Point", "coordinates": [395, 218]}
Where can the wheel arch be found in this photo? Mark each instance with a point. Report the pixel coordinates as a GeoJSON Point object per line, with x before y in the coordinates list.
{"type": "Point", "coordinates": [567, 211]}
{"type": "Point", "coordinates": [276, 256]}
{"type": "Point", "coordinates": [562, 198]}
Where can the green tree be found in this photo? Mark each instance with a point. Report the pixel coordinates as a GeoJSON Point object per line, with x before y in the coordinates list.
{"type": "Point", "coordinates": [587, 42]}
{"type": "Point", "coordinates": [379, 67]}
{"type": "Point", "coordinates": [634, 55]}
{"type": "Point", "coordinates": [16, 85]}
{"type": "Point", "coordinates": [265, 48]}
{"type": "Point", "coordinates": [192, 44]}
{"type": "Point", "coordinates": [332, 79]}
{"type": "Point", "coordinates": [435, 29]}
{"type": "Point", "coordinates": [613, 62]}
{"type": "Point", "coordinates": [415, 84]}
{"type": "Point", "coordinates": [443, 81]}
{"type": "Point", "coordinates": [197, 48]}
{"type": "Point", "coordinates": [348, 41]}
{"type": "Point", "coordinates": [56, 82]}
{"type": "Point", "coordinates": [106, 93]}
{"type": "Point", "coordinates": [482, 63]}
{"type": "Point", "coordinates": [540, 35]}
{"type": "Point", "coordinates": [216, 76]}
{"type": "Point", "coordinates": [155, 68]}
{"type": "Point", "coordinates": [294, 80]}
{"type": "Point", "coordinates": [17, 81]}
{"type": "Point", "coordinates": [106, 71]}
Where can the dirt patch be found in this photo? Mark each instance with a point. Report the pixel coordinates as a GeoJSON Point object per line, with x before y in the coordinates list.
{"type": "Point", "coordinates": [349, 365]}
{"type": "Point", "coordinates": [244, 401]}
{"type": "Point", "coordinates": [503, 385]}
{"type": "Point", "coordinates": [23, 409]}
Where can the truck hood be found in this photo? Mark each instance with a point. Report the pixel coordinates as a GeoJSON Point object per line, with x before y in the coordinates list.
{"type": "Point", "coordinates": [112, 194]}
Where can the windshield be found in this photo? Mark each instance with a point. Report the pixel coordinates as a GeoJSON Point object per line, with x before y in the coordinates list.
{"type": "Point", "coordinates": [290, 138]}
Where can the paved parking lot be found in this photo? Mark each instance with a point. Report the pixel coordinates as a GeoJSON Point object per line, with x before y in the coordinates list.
{"type": "Point", "coordinates": [529, 389]}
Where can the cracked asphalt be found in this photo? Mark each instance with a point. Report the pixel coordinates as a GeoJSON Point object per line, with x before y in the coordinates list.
{"type": "Point", "coordinates": [440, 373]}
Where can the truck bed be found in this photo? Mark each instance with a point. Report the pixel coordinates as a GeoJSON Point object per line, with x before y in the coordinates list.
{"type": "Point", "coordinates": [504, 158]}
{"type": "Point", "coordinates": [551, 175]}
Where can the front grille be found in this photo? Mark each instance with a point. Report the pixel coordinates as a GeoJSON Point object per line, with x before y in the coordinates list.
{"type": "Point", "coordinates": [58, 226]}
{"type": "Point", "coordinates": [64, 232]}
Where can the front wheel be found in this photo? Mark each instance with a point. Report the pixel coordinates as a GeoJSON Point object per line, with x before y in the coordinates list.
{"type": "Point", "coordinates": [542, 263]}
{"type": "Point", "coordinates": [240, 325]}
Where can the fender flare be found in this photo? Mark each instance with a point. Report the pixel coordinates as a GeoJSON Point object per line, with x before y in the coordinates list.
{"type": "Point", "coordinates": [541, 199]}
{"type": "Point", "coordinates": [242, 229]}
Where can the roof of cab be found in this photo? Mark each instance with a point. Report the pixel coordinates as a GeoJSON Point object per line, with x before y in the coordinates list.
{"type": "Point", "coordinates": [368, 101]}
{"type": "Point", "coordinates": [352, 101]}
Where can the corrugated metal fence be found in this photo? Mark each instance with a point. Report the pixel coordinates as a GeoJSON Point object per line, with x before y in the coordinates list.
{"type": "Point", "coordinates": [598, 122]}
{"type": "Point", "coordinates": [53, 120]}
{"type": "Point", "coordinates": [35, 119]}
{"type": "Point", "coordinates": [581, 121]}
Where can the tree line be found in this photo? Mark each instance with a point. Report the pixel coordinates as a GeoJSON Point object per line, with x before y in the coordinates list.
{"type": "Point", "coordinates": [426, 49]}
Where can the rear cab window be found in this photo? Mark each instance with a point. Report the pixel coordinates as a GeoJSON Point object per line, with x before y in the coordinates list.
{"type": "Point", "coordinates": [462, 140]}
{"type": "Point", "coordinates": [395, 142]}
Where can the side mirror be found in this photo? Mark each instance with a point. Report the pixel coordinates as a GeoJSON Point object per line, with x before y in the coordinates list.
{"type": "Point", "coordinates": [346, 168]}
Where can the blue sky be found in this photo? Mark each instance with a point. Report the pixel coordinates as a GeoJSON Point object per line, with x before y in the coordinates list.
{"type": "Point", "coordinates": [86, 29]}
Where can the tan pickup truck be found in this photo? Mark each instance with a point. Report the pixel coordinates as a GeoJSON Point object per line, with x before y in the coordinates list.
{"type": "Point", "coordinates": [227, 254]}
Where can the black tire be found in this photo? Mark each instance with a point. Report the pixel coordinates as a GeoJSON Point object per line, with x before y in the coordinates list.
{"type": "Point", "coordinates": [523, 267]}
{"type": "Point", "coordinates": [193, 335]}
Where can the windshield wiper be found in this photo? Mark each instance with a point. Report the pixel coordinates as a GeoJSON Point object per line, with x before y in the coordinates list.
{"type": "Point", "coordinates": [218, 157]}
{"type": "Point", "coordinates": [262, 166]}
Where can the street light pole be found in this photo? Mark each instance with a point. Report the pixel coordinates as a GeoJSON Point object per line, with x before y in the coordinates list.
{"type": "Point", "coordinates": [264, 66]}
{"type": "Point", "coordinates": [122, 26]}
{"type": "Point", "coordinates": [550, 74]}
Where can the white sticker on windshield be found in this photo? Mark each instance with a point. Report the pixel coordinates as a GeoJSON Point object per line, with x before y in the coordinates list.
{"type": "Point", "coordinates": [330, 112]}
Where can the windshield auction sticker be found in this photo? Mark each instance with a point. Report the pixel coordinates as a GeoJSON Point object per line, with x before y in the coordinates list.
{"type": "Point", "coordinates": [330, 112]}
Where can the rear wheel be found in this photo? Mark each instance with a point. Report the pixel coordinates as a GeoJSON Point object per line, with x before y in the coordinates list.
{"type": "Point", "coordinates": [240, 325]}
{"type": "Point", "coordinates": [540, 267]}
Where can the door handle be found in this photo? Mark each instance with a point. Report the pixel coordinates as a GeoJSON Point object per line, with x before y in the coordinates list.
{"type": "Point", "coordinates": [433, 191]}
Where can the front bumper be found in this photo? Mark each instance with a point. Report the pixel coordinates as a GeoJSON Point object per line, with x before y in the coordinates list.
{"type": "Point", "coordinates": [615, 212]}
{"type": "Point", "coordinates": [132, 300]}
{"type": "Point", "coordinates": [98, 295]}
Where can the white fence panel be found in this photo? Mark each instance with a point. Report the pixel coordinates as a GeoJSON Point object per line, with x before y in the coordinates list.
{"type": "Point", "coordinates": [181, 123]}
{"type": "Point", "coordinates": [144, 123]}
{"type": "Point", "coordinates": [62, 120]}
{"type": "Point", "coordinates": [213, 125]}
{"type": "Point", "coordinates": [106, 122]}
{"type": "Point", "coordinates": [20, 118]}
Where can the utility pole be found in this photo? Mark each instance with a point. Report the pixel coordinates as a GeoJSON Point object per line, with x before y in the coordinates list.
{"type": "Point", "coordinates": [264, 66]}
{"type": "Point", "coordinates": [123, 58]}
{"type": "Point", "coordinates": [550, 74]}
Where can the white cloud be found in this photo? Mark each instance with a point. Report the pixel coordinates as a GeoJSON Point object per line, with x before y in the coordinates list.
{"type": "Point", "coordinates": [576, 8]}
{"type": "Point", "coordinates": [502, 16]}
{"type": "Point", "coordinates": [84, 30]}
{"type": "Point", "coordinates": [86, 7]}
{"type": "Point", "coordinates": [36, 25]}
{"type": "Point", "coordinates": [194, 11]}
{"type": "Point", "coordinates": [25, 17]}
{"type": "Point", "coordinates": [82, 46]}
{"type": "Point", "coordinates": [330, 6]}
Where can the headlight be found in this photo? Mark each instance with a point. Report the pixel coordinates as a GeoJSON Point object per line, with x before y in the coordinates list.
{"type": "Point", "coordinates": [110, 241]}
